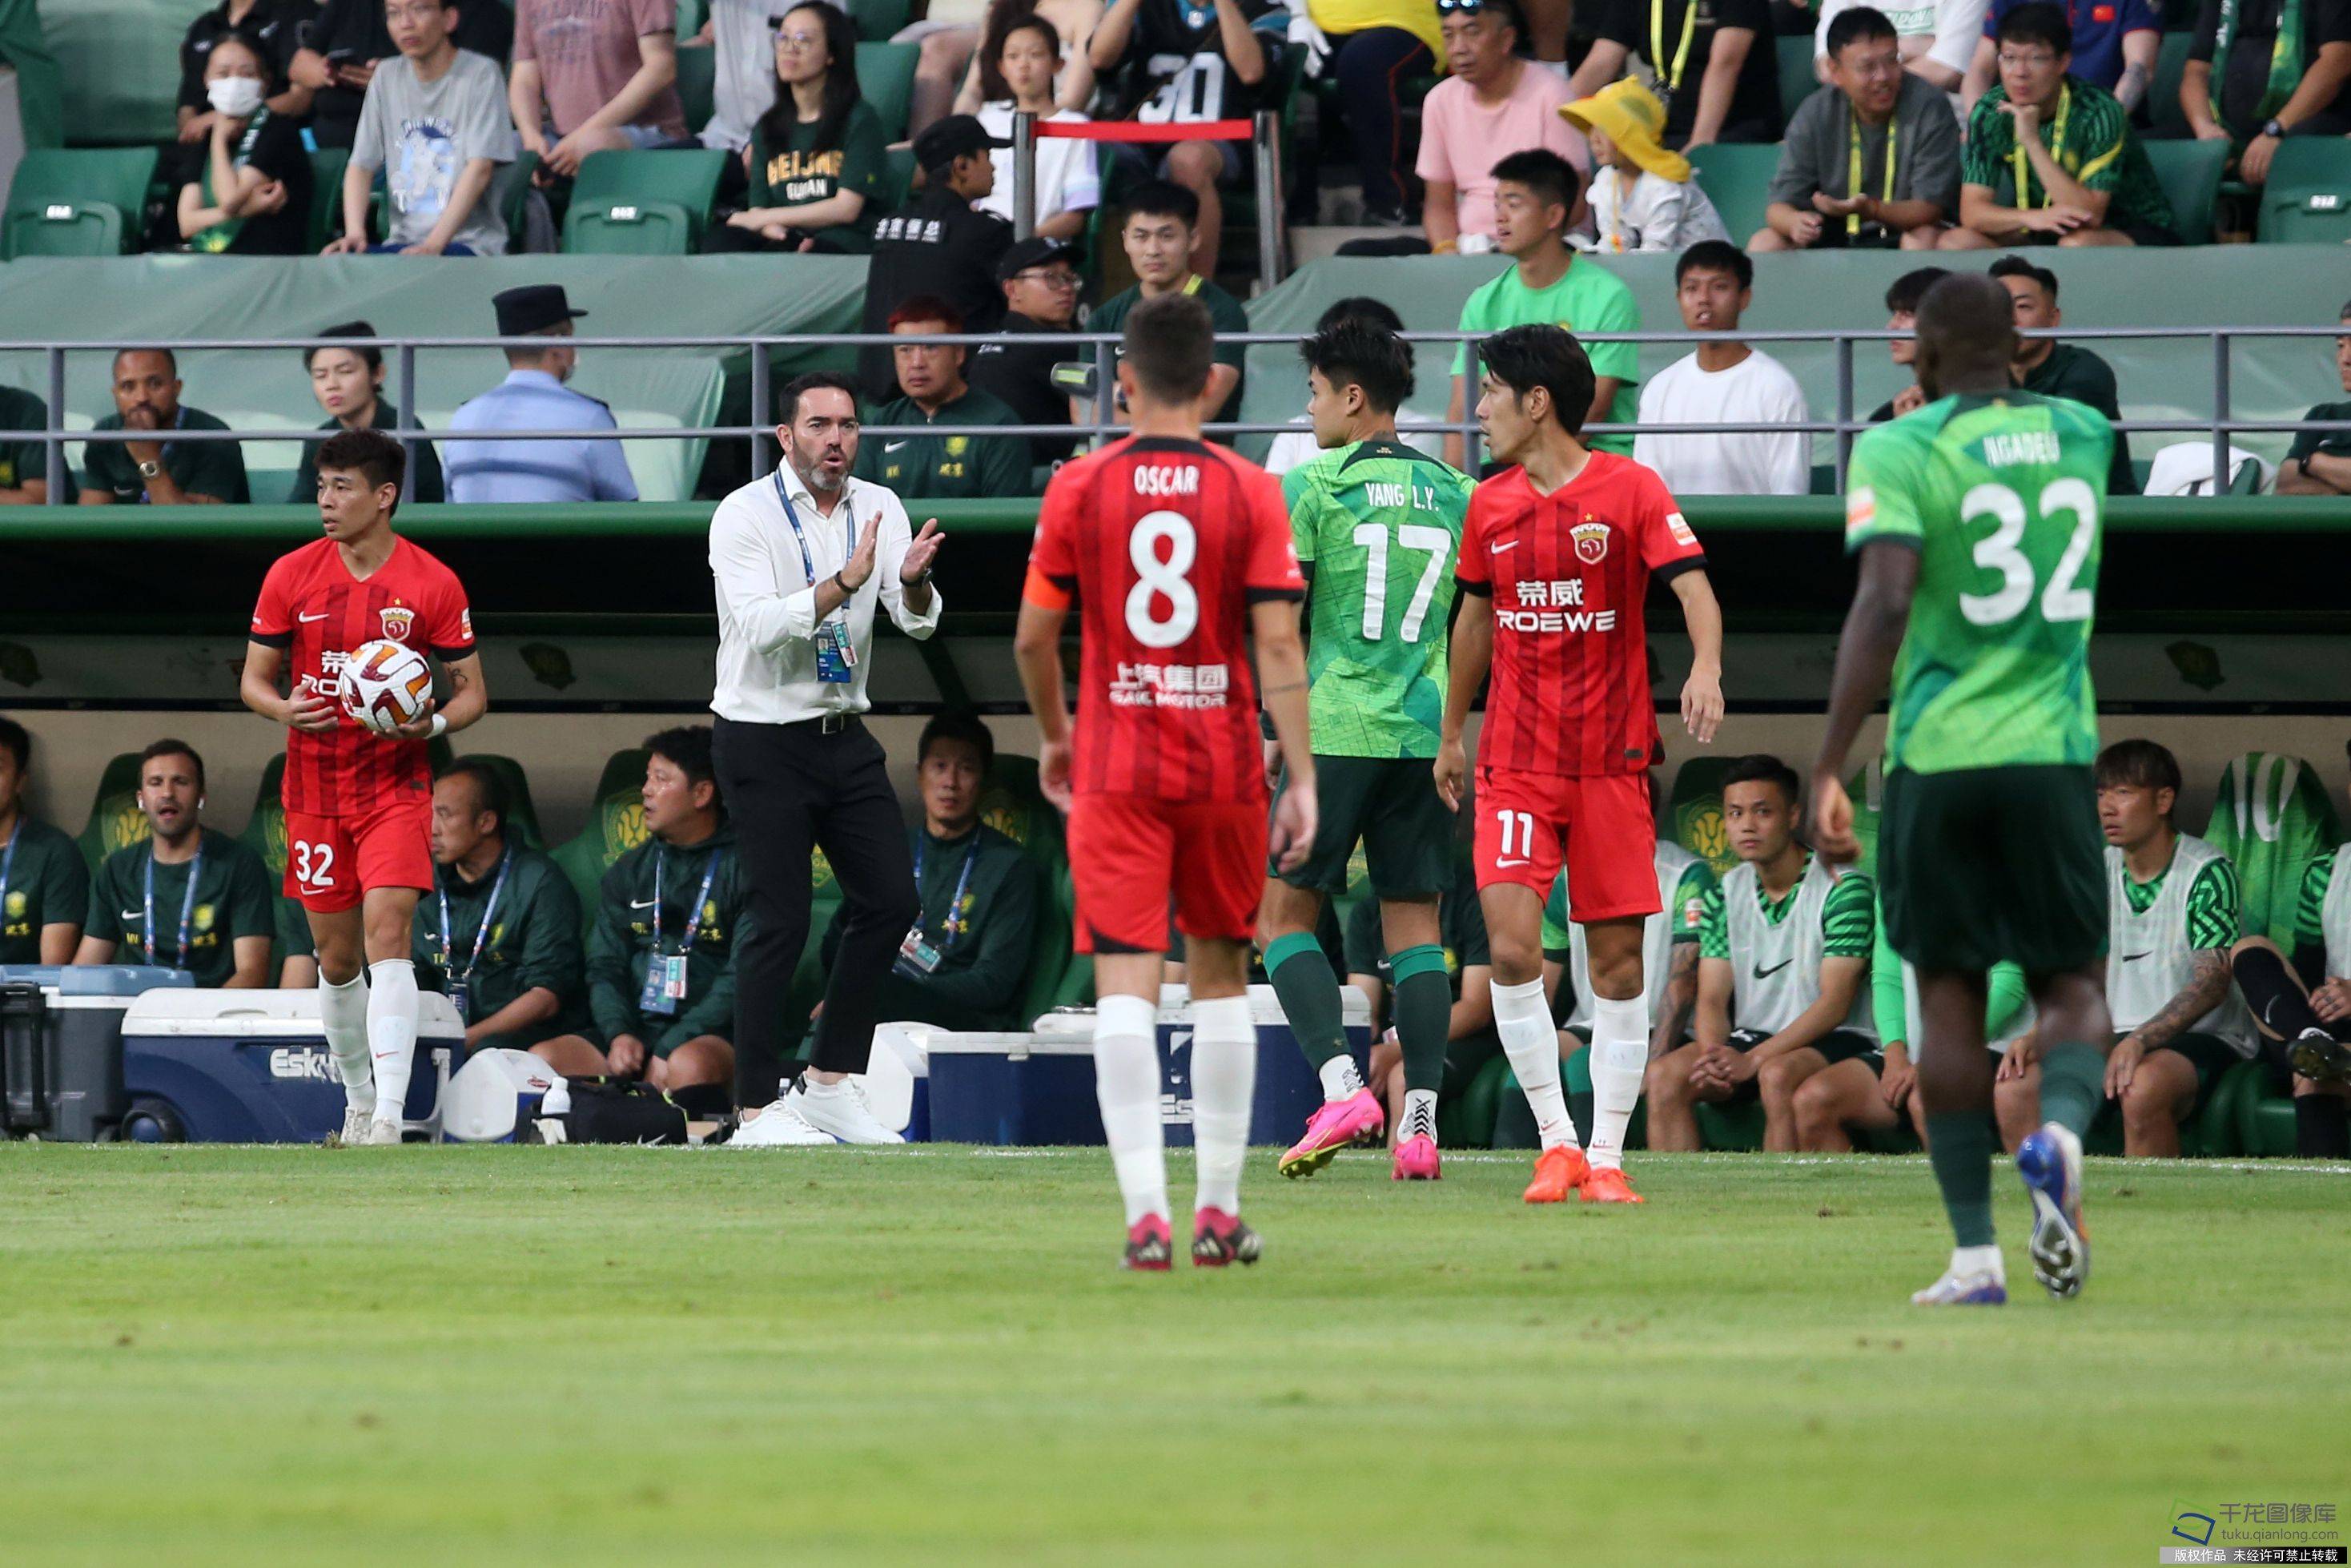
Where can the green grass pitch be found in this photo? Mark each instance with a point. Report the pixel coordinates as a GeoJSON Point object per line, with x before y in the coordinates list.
{"type": "Point", "coordinates": [573, 1355]}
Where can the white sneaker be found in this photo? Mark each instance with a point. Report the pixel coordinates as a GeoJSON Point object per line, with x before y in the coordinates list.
{"type": "Point", "coordinates": [383, 1132]}
{"type": "Point", "coordinates": [357, 1121]}
{"type": "Point", "coordinates": [840, 1109]}
{"type": "Point", "coordinates": [776, 1126]}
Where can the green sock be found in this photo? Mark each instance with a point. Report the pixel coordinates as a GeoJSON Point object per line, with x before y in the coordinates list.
{"type": "Point", "coordinates": [1575, 1079]}
{"type": "Point", "coordinates": [2072, 1085]}
{"type": "Point", "coordinates": [1424, 1013]}
{"type": "Point", "coordinates": [1958, 1146]}
{"type": "Point", "coordinates": [1308, 990]}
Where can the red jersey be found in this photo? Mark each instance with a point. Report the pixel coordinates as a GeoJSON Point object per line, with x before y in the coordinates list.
{"type": "Point", "coordinates": [1164, 544]}
{"type": "Point", "coordinates": [311, 603]}
{"type": "Point", "coordinates": [1569, 574]}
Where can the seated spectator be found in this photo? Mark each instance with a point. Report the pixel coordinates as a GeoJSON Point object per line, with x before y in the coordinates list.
{"type": "Point", "coordinates": [1780, 976]}
{"type": "Point", "coordinates": [661, 961]}
{"type": "Point", "coordinates": [272, 31]}
{"type": "Point", "coordinates": [1495, 104]}
{"type": "Point", "coordinates": [1716, 68]}
{"type": "Point", "coordinates": [1176, 62]}
{"type": "Point", "coordinates": [164, 472]}
{"type": "Point", "coordinates": [943, 245]}
{"type": "Point", "coordinates": [24, 465]}
{"type": "Point", "coordinates": [2115, 46]}
{"type": "Point", "coordinates": [593, 75]}
{"type": "Point", "coordinates": [1902, 297]}
{"type": "Point", "coordinates": [1724, 383]}
{"type": "Point", "coordinates": [2051, 160]}
{"type": "Point", "coordinates": [1039, 280]}
{"type": "Point", "coordinates": [741, 34]}
{"type": "Point", "coordinates": [533, 397]}
{"type": "Point", "coordinates": [44, 886]}
{"type": "Point", "coordinates": [2053, 369]}
{"type": "Point", "coordinates": [1369, 50]}
{"type": "Point", "coordinates": [348, 40]}
{"type": "Point", "coordinates": [965, 965]}
{"type": "Point", "coordinates": [933, 391]}
{"type": "Point", "coordinates": [251, 193]}
{"type": "Point", "coordinates": [435, 120]}
{"type": "Point", "coordinates": [2319, 462]}
{"type": "Point", "coordinates": [499, 935]}
{"type": "Point", "coordinates": [1162, 236]}
{"type": "Point", "coordinates": [2172, 915]}
{"type": "Point", "coordinates": [1643, 197]}
{"type": "Point", "coordinates": [1073, 23]}
{"type": "Point", "coordinates": [2303, 1005]}
{"type": "Point", "coordinates": [946, 40]}
{"type": "Point", "coordinates": [1470, 1039]}
{"type": "Point", "coordinates": [348, 384]}
{"type": "Point", "coordinates": [1882, 120]}
{"type": "Point", "coordinates": [1068, 186]}
{"type": "Point", "coordinates": [187, 898]}
{"type": "Point", "coordinates": [2283, 71]}
{"type": "Point", "coordinates": [1934, 43]}
{"type": "Point", "coordinates": [1297, 447]}
{"type": "Point", "coordinates": [817, 156]}
{"type": "Point", "coordinates": [1547, 282]}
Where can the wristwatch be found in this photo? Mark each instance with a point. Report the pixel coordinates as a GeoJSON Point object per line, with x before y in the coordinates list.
{"type": "Point", "coordinates": [150, 470]}
{"type": "Point", "coordinates": [2272, 130]}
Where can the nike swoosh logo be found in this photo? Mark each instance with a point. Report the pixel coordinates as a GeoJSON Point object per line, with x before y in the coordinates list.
{"type": "Point", "coordinates": [1505, 865]}
{"type": "Point", "coordinates": [642, 903]}
{"type": "Point", "coordinates": [1763, 973]}
{"type": "Point", "coordinates": [1499, 548]}
{"type": "Point", "coordinates": [891, 446]}
{"type": "Point", "coordinates": [134, 914]}
{"type": "Point", "coordinates": [2135, 958]}
{"type": "Point", "coordinates": [306, 620]}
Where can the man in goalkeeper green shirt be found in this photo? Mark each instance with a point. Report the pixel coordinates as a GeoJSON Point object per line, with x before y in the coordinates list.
{"type": "Point", "coordinates": [1377, 525]}
{"type": "Point", "coordinates": [1977, 519]}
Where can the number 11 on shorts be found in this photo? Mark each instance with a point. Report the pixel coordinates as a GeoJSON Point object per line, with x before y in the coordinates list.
{"type": "Point", "coordinates": [1517, 838]}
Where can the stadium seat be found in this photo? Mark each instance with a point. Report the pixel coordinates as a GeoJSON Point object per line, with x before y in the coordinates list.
{"type": "Point", "coordinates": [1738, 1127]}
{"type": "Point", "coordinates": [2190, 175]}
{"type": "Point", "coordinates": [327, 166]}
{"type": "Point", "coordinates": [2167, 120]}
{"type": "Point", "coordinates": [521, 815]}
{"type": "Point", "coordinates": [616, 824]}
{"type": "Point", "coordinates": [878, 20]}
{"type": "Point", "coordinates": [2308, 198]}
{"type": "Point", "coordinates": [2271, 816]}
{"type": "Point", "coordinates": [1797, 83]}
{"type": "Point", "coordinates": [698, 74]}
{"type": "Point", "coordinates": [2212, 1133]}
{"type": "Point", "coordinates": [691, 14]}
{"type": "Point", "coordinates": [897, 178]}
{"type": "Point", "coordinates": [1012, 803]}
{"type": "Point", "coordinates": [2265, 1123]}
{"type": "Point", "coordinates": [1695, 811]}
{"type": "Point", "coordinates": [264, 830]}
{"type": "Point", "coordinates": [115, 819]}
{"type": "Point", "coordinates": [642, 202]}
{"type": "Point", "coordinates": [1049, 949]}
{"type": "Point", "coordinates": [1466, 1121]}
{"type": "Point", "coordinates": [885, 75]}
{"type": "Point", "coordinates": [1738, 180]}
{"type": "Point", "coordinates": [77, 202]}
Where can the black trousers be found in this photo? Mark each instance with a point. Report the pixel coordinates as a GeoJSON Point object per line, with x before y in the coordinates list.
{"type": "Point", "coordinates": [788, 789]}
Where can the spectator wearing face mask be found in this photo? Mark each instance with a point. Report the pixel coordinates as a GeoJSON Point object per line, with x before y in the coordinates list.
{"type": "Point", "coordinates": [252, 194]}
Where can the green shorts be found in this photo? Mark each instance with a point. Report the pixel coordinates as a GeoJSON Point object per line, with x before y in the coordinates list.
{"type": "Point", "coordinates": [1987, 863]}
{"type": "Point", "coordinates": [2208, 1054]}
{"type": "Point", "coordinates": [1391, 804]}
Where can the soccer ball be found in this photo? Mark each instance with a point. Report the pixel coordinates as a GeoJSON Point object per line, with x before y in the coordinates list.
{"type": "Point", "coordinates": [385, 684]}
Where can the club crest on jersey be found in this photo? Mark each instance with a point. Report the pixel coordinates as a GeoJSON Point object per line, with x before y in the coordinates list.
{"type": "Point", "coordinates": [1591, 541]}
{"type": "Point", "coordinates": [398, 622]}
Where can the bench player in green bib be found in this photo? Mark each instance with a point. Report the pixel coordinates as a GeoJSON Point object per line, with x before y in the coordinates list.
{"type": "Point", "coordinates": [1977, 522]}
{"type": "Point", "coordinates": [1376, 526]}
{"type": "Point", "coordinates": [2302, 1001]}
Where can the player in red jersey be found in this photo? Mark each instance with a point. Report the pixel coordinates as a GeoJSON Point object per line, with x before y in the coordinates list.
{"type": "Point", "coordinates": [358, 803]}
{"type": "Point", "coordinates": [1558, 553]}
{"type": "Point", "coordinates": [1176, 553]}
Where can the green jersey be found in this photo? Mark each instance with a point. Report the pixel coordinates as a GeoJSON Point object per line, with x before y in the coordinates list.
{"type": "Point", "coordinates": [194, 928]}
{"type": "Point", "coordinates": [1377, 525]}
{"type": "Point", "coordinates": [2005, 498]}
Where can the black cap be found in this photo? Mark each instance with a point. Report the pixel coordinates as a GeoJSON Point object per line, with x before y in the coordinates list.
{"type": "Point", "coordinates": [533, 307]}
{"type": "Point", "coordinates": [1034, 252]}
{"type": "Point", "coordinates": [950, 139]}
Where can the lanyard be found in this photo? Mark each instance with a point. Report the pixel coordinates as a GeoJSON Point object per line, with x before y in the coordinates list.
{"type": "Point", "coordinates": [1673, 76]}
{"type": "Point", "coordinates": [187, 905]}
{"type": "Point", "coordinates": [9, 856]}
{"type": "Point", "coordinates": [489, 912]}
{"type": "Point", "coordinates": [692, 914]}
{"type": "Point", "coordinates": [1853, 176]}
{"type": "Point", "coordinates": [792, 516]}
{"type": "Point", "coordinates": [2056, 150]}
{"type": "Point", "coordinates": [962, 882]}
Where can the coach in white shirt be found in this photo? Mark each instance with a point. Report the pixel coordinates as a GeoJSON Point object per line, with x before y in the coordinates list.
{"type": "Point", "coordinates": [1725, 383]}
{"type": "Point", "coordinates": [800, 560]}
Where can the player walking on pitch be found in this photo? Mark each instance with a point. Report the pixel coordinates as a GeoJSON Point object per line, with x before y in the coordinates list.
{"type": "Point", "coordinates": [1375, 524]}
{"type": "Point", "coordinates": [359, 803]}
{"type": "Point", "coordinates": [1978, 520]}
{"type": "Point", "coordinates": [1177, 554]}
{"type": "Point", "coordinates": [1561, 548]}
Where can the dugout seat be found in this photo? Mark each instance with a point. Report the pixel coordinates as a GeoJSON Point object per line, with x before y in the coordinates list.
{"type": "Point", "coordinates": [522, 817]}
{"type": "Point", "coordinates": [1737, 178]}
{"type": "Point", "coordinates": [641, 202]}
{"type": "Point", "coordinates": [265, 834]}
{"type": "Point", "coordinates": [2308, 198]}
{"type": "Point", "coordinates": [1013, 803]}
{"type": "Point", "coordinates": [1737, 1127]}
{"type": "Point", "coordinates": [885, 75]}
{"type": "Point", "coordinates": [616, 824]}
{"type": "Point", "coordinates": [2167, 120]}
{"type": "Point", "coordinates": [83, 200]}
{"type": "Point", "coordinates": [1797, 83]}
{"type": "Point", "coordinates": [2189, 173]}
{"type": "Point", "coordinates": [2271, 816]}
{"type": "Point", "coordinates": [115, 819]}
{"type": "Point", "coordinates": [2265, 1123]}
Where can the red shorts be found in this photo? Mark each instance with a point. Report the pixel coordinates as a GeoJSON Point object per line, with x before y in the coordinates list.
{"type": "Point", "coordinates": [331, 861]}
{"type": "Point", "coordinates": [1129, 854]}
{"type": "Point", "coordinates": [1605, 822]}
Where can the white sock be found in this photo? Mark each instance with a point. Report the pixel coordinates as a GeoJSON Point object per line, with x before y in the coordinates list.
{"type": "Point", "coordinates": [1126, 1082]}
{"type": "Point", "coordinates": [1339, 1078]}
{"type": "Point", "coordinates": [1420, 1115]}
{"type": "Point", "coordinates": [1522, 1019]}
{"type": "Point", "coordinates": [343, 1013]}
{"type": "Point", "coordinates": [1224, 1089]}
{"type": "Point", "coordinates": [1620, 1055]}
{"type": "Point", "coordinates": [392, 1033]}
{"type": "Point", "coordinates": [1979, 1260]}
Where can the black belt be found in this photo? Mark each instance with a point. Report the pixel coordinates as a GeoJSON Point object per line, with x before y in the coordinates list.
{"type": "Point", "coordinates": [830, 723]}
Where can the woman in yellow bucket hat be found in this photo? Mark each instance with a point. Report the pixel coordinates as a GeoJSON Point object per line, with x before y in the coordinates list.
{"type": "Point", "coordinates": [1642, 195]}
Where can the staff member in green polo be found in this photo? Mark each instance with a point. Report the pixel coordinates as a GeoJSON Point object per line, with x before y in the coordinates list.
{"type": "Point", "coordinates": [934, 392]}
{"type": "Point", "coordinates": [499, 935]}
{"type": "Point", "coordinates": [44, 886]}
{"type": "Point", "coordinates": [185, 899]}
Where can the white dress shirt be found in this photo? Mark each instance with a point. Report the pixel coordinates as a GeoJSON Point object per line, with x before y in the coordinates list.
{"type": "Point", "coordinates": [766, 599]}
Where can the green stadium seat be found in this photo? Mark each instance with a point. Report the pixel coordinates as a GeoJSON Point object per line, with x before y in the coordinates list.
{"type": "Point", "coordinates": [521, 815]}
{"type": "Point", "coordinates": [1466, 1121]}
{"type": "Point", "coordinates": [264, 830]}
{"type": "Point", "coordinates": [1737, 178]}
{"type": "Point", "coordinates": [1736, 1127]}
{"type": "Point", "coordinates": [885, 75]}
{"type": "Point", "coordinates": [878, 20]}
{"type": "Point", "coordinates": [897, 178]}
{"type": "Point", "coordinates": [1695, 811]}
{"type": "Point", "coordinates": [327, 166]}
{"type": "Point", "coordinates": [691, 14]}
{"type": "Point", "coordinates": [2190, 175]}
{"type": "Point", "coordinates": [2271, 816]}
{"type": "Point", "coordinates": [616, 824]}
{"type": "Point", "coordinates": [697, 75]}
{"type": "Point", "coordinates": [2166, 119]}
{"type": "Point", "coordinates": [2213, 1134]}
{"type": "Point", "coordinates": [2265, 1124]}
{"type": "Point", "coordinates": [2308, 198]}
{"type": "Point", "coordinates": [1797, 83]}
{"type": "Point", "coordinates": [1049, 950]}
{"type": "Point", "coordinates": [1012, 803]}
{"type": "Point", "coordinates": [115, 819]}
{"type": "Point", "coordinates": [642, 202]}
{"type": "Point", "coordinates": [77, 202]}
